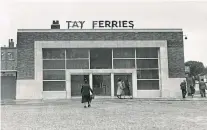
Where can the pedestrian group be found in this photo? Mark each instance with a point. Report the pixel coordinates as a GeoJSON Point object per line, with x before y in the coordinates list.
{"type": "Point", "coordinates": [123, 89]}
{"type": "Point", "coordinates": [188, 87]}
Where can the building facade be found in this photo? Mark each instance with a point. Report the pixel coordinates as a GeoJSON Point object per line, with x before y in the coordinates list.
{"type": "Point", "coordinates": [8, 71]}
{"type": "Point", "coordinates": [53, 63]}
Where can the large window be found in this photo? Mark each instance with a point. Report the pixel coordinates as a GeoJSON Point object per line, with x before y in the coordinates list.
{"type": "Point", "coordinates": [56, 61]}
{"type": "Point", "coordinates": [144, 60]}
{"type": "Point", "coordinates": [54, 69]}
{"type": "Point", "coordinates": [147, 60]}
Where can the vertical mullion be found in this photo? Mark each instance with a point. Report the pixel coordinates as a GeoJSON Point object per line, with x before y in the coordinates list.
{"type": "Point", "coordinates": [159, 72]}
{"type": "Point", "coordinates": [89, 55]}
{"type": "Point", "coordinates": [65, 60]}
{"type": "Point", "coordinates": [65, 73]}
{"type": "Point", "coordinates": [112, 55]}
{"type": "Point", "coordinates": [135, 58]}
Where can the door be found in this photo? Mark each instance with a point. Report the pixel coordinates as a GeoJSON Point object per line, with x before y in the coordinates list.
{"type": "Point", "coordinates": [102, 85]}
{"type": "Point", "coordinates": [125, 78]}
{"type": "Point", "coordinates": [8, 87]}
{"type": "Point", "coordinates": [76, 84]}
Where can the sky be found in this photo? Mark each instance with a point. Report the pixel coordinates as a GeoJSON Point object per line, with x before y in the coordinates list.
{"type": "Point", "coordinates": [191, 16]}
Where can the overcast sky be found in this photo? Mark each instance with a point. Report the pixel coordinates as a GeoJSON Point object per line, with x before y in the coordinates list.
{"type": "Point", "coordinates": [188, 15]}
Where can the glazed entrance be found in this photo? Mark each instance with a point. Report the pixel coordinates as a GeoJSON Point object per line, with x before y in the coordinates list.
{"type": "Point", "coordinates": [102, 85]}
{"type": "Point", "coordinates": [126, 78]}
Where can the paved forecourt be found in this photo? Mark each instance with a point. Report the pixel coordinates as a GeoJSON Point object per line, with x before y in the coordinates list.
{"type": "Point", "coordinates": [105, 114]}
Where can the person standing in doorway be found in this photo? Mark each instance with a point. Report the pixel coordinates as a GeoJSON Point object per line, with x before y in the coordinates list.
{"type": "Point", "coordinates": [85, 91]}
{"type": "Point", "coordinates": [127, 88]}
{"type": "Point", "coordinates": [183, 88]}
{"type": "Point", "coordinates": [120, 88]}
{"type": "Point", "coordinates": [202, 87]}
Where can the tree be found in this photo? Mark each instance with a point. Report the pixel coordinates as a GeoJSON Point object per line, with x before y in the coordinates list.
{"type": "Point", "coordinates": [205, 71]}
{"type": "Point", "coordinates": [196, 67]}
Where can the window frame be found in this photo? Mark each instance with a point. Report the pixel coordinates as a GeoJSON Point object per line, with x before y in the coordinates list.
{"type": "Point", "coordinates": [10, 54]}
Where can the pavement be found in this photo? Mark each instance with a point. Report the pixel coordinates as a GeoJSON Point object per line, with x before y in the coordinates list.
{"type": "Point", "coordinates": [105, 114]}
{"type": "Point", "coordinates": [60, 101]}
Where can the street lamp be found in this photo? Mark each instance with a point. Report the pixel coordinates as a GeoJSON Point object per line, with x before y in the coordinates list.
{"type": "Point", "coordinates": [185, 37]}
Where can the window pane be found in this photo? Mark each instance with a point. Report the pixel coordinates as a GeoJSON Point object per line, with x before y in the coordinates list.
{"type": "Point", "coordinates": [54, 75]}
{"type": "Point", "coordinates": [77, 64]}
{"type": "Point", "coordinates": [53, 64]}
{"type": "Point", "coordinates": [147, 74]}
{"type": "Point", "coordinates": [3, 56]}
{"type": "Point", "coordinates": [147, 52]}
{"type": "Point", "coordinates": [54, 86]}
{"type": "Point", "coordinates": [101, 58]}
{"type": "Point", "coordinates": [147, 84]}
{"type": "Point", "coordinates": [77, 53]}
{"type": "Point", "coordinates": [125, 63]}
{"type": "Point", "coordinates": [10, 55]}
{"type": "Point", "coordinates": [53, 53]}
{"type": "Point", "coordinates": [124, 53]}
{"type": "Point", "coordinates": [147, 63]}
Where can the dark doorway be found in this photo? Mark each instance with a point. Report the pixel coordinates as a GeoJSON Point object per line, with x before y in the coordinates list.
{"type": "Point", "coordinates": [123, 77]}
{"type": "Point", "coordinates": [8, 87]}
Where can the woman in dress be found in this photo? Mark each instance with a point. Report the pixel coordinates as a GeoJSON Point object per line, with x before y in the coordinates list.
{"type": "Point", "coordinates": [85, 91]}
{"type": "Point", "coordinates": [119, 88]}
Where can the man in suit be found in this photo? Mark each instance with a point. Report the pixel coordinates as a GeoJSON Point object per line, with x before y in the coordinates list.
{"type": "Point", "coordinates": [202, 87]}
{"type": "Point", "coordinates": [183, 88]}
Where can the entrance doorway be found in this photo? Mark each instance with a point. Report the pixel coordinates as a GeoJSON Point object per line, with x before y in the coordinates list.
{"type": "Point", "coordinates": [125, 78]}
{"type": "Point", "coordinates": [102, 85]}
{"type": "Point", "coordinates": [8, 87]}
{"type": "Point", "coordinates": [76, 83]}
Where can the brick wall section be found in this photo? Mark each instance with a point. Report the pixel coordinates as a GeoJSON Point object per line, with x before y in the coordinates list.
{"type": "Point", "coordinates": [25, 45]}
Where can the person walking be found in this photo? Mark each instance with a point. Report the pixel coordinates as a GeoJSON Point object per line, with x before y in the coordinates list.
{"type": "Point", "coordinates": [190, 86]}
{"type": "Point", "coordinates": [183, 88]}
{"type": "Point", "coordinates": [202, 87]}
{"type": "Point", "coordinates": [120, 88]}
{"type": "Point", "coordinates": [127, 88]}
{"type": "Point", "coordinates": [85, 92]}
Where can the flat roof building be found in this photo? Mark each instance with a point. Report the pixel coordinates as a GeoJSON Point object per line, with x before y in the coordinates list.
{"type": "Point", "coordinates": [53, 63]}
